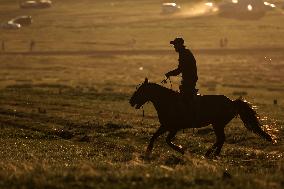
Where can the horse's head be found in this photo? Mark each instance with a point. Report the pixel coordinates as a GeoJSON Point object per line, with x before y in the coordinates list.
{"type": "Point", "coordinates": [139, 97]}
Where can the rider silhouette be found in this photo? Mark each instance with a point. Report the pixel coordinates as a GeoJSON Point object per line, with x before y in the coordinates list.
{"type": "Point", "coordinates": [186, 67]}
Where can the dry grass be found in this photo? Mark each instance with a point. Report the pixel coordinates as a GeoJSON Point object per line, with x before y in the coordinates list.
{"type": "Point", "coordinates": [66, 123]}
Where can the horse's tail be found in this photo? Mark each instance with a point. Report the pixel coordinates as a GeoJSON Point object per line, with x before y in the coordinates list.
{"type": "Point", "coordinates": [250, 119]}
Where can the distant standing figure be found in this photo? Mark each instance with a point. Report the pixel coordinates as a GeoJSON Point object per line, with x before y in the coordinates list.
{"type": "Point", "coordinates": [32, 45]}
{"type": "Point", "coordinates": [221, 43]}
{"type": "Point", "coordinates": [3, 46]}
{"type": "Point", "coordinates": [132, 43]}
{"type": "Point", "coordinates": [225, 42]}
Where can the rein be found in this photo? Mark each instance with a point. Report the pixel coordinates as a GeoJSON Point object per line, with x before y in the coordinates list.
{"type": "Point", "coordinates": [165, 81]}
{"type": "Point", "coordinates": [143, 113]}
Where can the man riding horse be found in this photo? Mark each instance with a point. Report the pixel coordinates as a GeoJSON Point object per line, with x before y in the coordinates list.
{"type": "Point", "coordinates": [186, 67]}
{"type": "Point", "coordinates": [180, 111]}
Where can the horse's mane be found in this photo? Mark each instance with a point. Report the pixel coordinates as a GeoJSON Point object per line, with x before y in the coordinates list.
{"type": "Point", "coordinates": [163, 89]}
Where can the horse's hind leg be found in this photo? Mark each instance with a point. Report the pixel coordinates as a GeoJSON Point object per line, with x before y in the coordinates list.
{"type": "Point", "coordinates": [210, 150]}
{"type": "Point", "coordinates": [169, 139]}
{"type": "Point", "coordinates": [220, 139]}
{"type": "Point", "coordinates": [220, 136]}
{"type": "Point", "coordinates": [159, 132]}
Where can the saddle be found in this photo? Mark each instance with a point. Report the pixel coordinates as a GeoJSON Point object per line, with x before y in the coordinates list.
{"type": "Point", "coordinates": [190, 106]}
{"type": "Point", "coordinates": [189, 97]}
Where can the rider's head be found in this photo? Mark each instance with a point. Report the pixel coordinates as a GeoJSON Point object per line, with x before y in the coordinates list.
{"type": "Point", "coordinates": [178, 43]}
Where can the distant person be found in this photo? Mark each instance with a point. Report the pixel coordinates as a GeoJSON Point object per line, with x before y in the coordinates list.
{"type": "Point", "coordinates": [225, 42]}
{"type": "Point", "coordinates": [32, 45]}
{"type": "Point", "coordinates": [132, 43]}
{"type": "Point", "coordinates": [3, 46]}
{"type": "Point", "coordinates": [186, 67]}
{"type": "Point", "coordinates": [221, 43]}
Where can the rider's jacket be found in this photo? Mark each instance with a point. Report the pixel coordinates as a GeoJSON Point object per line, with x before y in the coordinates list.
{"type": "Point", "coordinates": [187, 66]}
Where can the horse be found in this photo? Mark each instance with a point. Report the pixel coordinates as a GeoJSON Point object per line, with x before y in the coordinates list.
{"type": "Point", "coordinates": [217, 110]}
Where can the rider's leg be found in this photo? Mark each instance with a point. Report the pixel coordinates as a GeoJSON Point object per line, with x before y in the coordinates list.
{"type": "Point", "coordinates": [187, 94]}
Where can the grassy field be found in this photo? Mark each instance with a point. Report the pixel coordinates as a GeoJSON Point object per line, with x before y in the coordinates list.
{"type": "Point", "coordinates": [65, 119]}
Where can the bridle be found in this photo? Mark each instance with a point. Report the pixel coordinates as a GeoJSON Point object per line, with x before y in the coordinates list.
{"type": "Point", "coordinates": [162, 82]}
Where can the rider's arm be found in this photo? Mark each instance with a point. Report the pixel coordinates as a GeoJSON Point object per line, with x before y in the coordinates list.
{"type": "Point", "coordinates": [174, 72]}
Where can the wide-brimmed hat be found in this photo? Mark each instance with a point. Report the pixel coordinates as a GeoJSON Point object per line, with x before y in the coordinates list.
{"type": "Point", "coordinates": [177, 41]}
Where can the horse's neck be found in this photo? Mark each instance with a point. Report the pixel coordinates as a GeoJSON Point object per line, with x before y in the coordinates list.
{"type": "Point", "coordinates": [160, 96]}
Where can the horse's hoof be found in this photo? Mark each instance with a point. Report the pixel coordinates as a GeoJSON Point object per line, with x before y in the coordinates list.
{"type": "Point", "coordinates": [148, 152]}
{"type": "Point", "coordinates": [182, 151]}
{"type": "Point", "coordinates": [207, 155]}
{"type": "Point", "coordinates": [147, 156]}
{"type": "Point", "coordinates": [216, 157]}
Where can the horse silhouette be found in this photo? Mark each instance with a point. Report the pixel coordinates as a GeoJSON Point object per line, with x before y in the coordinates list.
{"type": "Point", "coordinates": [217, 110]}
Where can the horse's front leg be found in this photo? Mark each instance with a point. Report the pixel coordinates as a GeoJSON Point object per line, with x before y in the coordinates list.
{"type": "Point", "coordinates": [159, 132]}
{"type": "Point", "coordinates": [169, 139]}
{"type": "Point", "coordinates": [210, 150]}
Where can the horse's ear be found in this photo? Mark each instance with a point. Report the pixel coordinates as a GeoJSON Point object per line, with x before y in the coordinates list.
{"type": "Point", "coordinates": [146, 80]}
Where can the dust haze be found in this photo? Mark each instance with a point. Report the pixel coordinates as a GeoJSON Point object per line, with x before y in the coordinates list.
{"type": "Point", "coordinates": [68, 69]}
